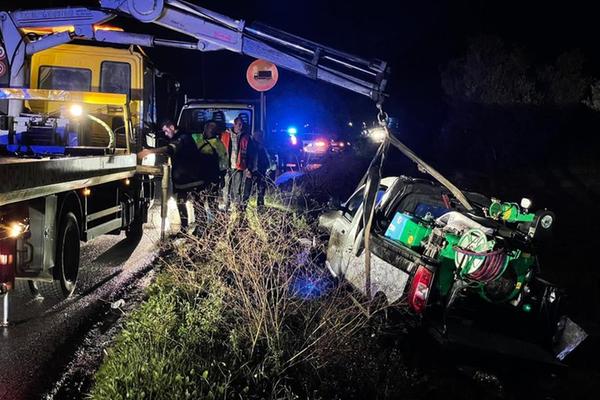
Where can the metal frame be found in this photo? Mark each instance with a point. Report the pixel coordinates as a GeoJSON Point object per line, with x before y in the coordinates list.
{"type": "Point", "coordinates": [94, 165]}
{"type": "Point", "coordinates": [103, 213]}
{"type": "Point", "coordinates": [99, 98]}
{"type": "Point", "coordinates": [209, 31]}
{"type": "Point", "coordinates": [103, 228]}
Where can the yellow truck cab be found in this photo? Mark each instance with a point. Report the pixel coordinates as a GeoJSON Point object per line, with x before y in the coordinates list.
{"type": "Point", "coordinates": [80, 67]}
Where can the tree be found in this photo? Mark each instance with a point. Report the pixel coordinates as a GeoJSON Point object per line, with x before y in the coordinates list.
{"type": "Point", "coordinates": [493, 73]}
{"type": "Point", "coordinates": [501, 99]}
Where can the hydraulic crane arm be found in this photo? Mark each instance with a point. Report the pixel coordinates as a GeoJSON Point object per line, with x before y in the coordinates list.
{"type": "Point", "coordinates": [208, 31]}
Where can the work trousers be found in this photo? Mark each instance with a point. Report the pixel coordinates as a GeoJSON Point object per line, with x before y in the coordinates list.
{"type": "Point", "coordinates": [193, 195]}
{"type": "Point", "coordinates": [258, 180]}
{"type": "Point", "coordinates": [204, 201]}
{"type": "Point", "coordinates": [234, 183]}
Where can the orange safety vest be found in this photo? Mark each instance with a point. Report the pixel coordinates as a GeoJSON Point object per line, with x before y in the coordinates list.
{"type": "Point", "coordinates": [242, 149]}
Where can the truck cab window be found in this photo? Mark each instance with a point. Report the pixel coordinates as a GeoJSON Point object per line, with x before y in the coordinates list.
{"type": "Point", "coordinates": [65, 78]}
{"type": "Point", "coordinates": [115, 77]}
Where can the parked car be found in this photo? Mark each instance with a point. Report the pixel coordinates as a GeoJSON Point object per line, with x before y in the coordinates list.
{"type": "Point", "coordinates": [472, 277]}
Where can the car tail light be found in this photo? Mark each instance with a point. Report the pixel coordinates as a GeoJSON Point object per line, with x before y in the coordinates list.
{"type": "Point", "coordinates": [320, 143]}
{"type": "Point", "coordinates": [419, 289]}
{"type": "Point", "coordinates": [7, 264]}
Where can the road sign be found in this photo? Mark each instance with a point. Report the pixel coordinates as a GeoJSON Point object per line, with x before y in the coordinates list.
{"type": "Point", "coordinates": [262, 75]}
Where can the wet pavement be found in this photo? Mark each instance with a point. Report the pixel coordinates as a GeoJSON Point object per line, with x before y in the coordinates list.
{"type": "Point", "coordinates": [44, 334]}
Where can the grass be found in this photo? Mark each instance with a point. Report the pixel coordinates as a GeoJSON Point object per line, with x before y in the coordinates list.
{"type": "Point", "coordinates": [243, 310]}
{"type": "Point", "coordinates": [246, 310]}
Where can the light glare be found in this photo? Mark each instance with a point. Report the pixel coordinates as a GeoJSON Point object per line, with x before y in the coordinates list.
{"type": "Point", "coordinates": [76, 110]}
{"type": "Point", "coordinates": [16, 229]}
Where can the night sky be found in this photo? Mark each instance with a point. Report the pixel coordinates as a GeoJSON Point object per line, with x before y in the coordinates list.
{"type": "Point", "coordinates": [416, 38]}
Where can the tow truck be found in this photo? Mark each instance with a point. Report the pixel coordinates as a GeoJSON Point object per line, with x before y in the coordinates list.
{"type": "Point", "coordinates": [67, 163]}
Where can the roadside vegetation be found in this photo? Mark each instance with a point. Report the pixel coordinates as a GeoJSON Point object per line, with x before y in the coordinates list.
{"type": "Point", "coordinates": [246, 309]}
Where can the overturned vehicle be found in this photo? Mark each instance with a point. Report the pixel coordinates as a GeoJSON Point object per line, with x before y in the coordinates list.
{"type": "Point", "coordinates": [463, 263]}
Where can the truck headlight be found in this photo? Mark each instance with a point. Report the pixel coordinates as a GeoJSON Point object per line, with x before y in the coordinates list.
{"type": "Point", "coordinates": [76, 110]}
{"type": "Point", "coordinates": [16, 229]}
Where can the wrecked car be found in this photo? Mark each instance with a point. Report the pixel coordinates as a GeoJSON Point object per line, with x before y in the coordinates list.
{"type": "Point", "coordinates": [469, 273]}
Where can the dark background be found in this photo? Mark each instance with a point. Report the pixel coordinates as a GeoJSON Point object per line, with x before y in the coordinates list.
{"type": "Point", "coordinates": [493, 93]}
{"type": "Point", "coordinates": [417, 38]}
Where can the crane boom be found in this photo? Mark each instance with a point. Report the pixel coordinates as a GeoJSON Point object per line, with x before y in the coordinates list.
{"type": "Point", "coordinates": [208, 31]}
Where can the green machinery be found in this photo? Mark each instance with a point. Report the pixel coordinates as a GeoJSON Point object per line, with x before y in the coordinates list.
{"type": "Point", "coordinates": [466, 252]}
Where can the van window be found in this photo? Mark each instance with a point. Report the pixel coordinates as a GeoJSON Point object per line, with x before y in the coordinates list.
{"type": "Point", "coordinates": [193, 119]}
{"type": "Point", "coordinates": [115, 77]}
{"type": "Point", "coordinates": [64, 78]}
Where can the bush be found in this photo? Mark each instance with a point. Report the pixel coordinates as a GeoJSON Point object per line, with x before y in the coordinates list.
{"type": "Point", "coordinates": [244, 309]}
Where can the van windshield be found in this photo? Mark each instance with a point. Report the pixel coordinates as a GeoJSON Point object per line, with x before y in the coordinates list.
{"type": "Point", "coordinates": [193, 119]}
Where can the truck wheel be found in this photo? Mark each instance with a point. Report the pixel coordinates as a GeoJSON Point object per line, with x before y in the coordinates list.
{"type": "Point", "coordinates": [66, 268]}
{"type": "Point", "coordinates": [135, 231]}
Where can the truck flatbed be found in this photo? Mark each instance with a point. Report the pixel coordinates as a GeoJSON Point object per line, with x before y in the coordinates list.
{"type": "Point", "coordinates": [24, 178]}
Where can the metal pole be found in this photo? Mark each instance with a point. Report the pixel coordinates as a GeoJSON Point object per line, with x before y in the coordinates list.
{"type": "Point", "coordinates": [4, 310]}
{"type": "Point", "coordinates": [263, 105]}
{"type": "Point", "coordinates": [164, 207]}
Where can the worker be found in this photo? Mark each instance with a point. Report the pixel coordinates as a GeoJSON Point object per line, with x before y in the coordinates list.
{"type": "Point", "coordinates": [214, 162]}
{"type": "Point", "coordinates": [236, 142]}
{"type": "Point", "coordinates": [188, 178]}
{"type": "Point", "coordinates": [259, 164]}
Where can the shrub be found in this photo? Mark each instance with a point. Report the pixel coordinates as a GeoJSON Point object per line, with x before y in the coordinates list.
{"type": "Point", "coordinates": [246, 309]}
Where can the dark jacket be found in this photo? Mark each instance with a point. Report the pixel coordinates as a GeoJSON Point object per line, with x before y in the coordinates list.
{"type": "Point", "coordinates": [258, 158]}
{"type": "Point", "coordinates": [187, 172]}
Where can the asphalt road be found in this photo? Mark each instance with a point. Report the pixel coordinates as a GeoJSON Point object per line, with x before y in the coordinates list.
{"type": "Point", "coordinates": [44, 335]}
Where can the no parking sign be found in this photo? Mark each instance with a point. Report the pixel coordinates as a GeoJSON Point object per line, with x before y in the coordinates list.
{"type": "Point", "coordinates": [262, 75]}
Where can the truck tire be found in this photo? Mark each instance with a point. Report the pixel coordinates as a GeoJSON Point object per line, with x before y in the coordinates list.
{"type": "Point", "coordinates": [135, 230]}
{"type": "Point", "coordinates": [66, 268]}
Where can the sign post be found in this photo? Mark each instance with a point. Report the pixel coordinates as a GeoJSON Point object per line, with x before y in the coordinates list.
{"type": "Point", "coordinates": [262, 76]}
{"type": "Point", "coordinates": [263, 111]}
